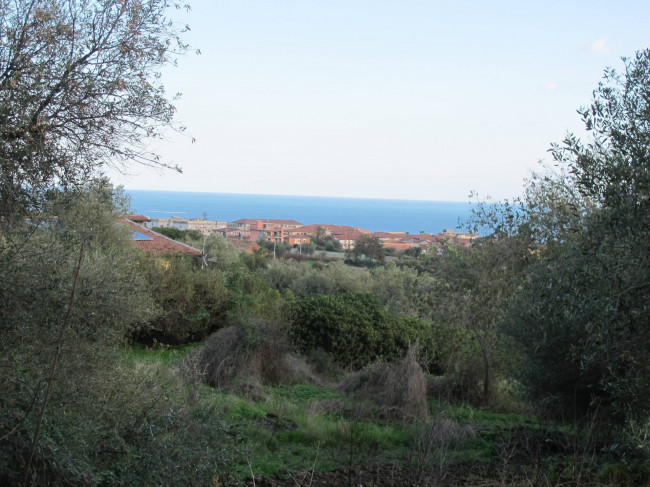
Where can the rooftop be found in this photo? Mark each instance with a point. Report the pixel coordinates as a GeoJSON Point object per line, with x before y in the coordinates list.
{"type": "Point", "coordinates": [151, 241]}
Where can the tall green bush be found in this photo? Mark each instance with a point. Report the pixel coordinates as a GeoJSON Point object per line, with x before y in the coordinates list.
{"type": "Point", "coordinates": [355, 329]}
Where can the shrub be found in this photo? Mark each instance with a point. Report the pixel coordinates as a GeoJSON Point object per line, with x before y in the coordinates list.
{"type": "Point", "coordinates": [251, 296]}
{"type": "Point", "coordinates": [331, 278]}
{"type": "Point", "coordinates": [398, 389]}
{"type": "Point", "coordinates": [107, 420]}
{"type": "Point", "coordinates": [193, 301]}
{"type": "Point", "coordinates": [251, 354]}
{"type": "Point", "coordinates": [178, 234]}
{"type": "Point", "coordinates": [356, 330]}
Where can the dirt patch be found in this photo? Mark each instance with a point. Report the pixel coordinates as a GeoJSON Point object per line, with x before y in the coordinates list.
{"type": "Point", "coordinates": [379, 476]}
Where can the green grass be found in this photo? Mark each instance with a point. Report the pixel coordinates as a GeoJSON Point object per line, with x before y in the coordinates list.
{"type": "Point", "coordinates": [279, 433]}
{"type": "Point", "coordinates": [304, 393]}
{"type": "Point", "coordinates": [163, 354]}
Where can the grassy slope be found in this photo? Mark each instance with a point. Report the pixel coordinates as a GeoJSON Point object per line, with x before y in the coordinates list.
{"type": "Point", "coordinates": [279, 434]}
{"type": "Point", "coordinates": [283, 435]}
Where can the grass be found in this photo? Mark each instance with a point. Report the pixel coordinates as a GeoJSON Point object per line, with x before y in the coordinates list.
{"type": "Point", "coordinates": [282, 434]}
{"type": "Point", "coordinates": [163, 354]}
{"type": "Point", "coordinates": [279, 433]}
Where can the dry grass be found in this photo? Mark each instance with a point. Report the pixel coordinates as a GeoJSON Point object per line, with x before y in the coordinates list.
{"type": "Point", "coordinates": [244, 358]}
{"type": "Point", "coordinates": [398, 389]}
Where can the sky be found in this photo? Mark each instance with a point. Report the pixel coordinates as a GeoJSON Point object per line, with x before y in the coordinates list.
{"type": "Point", "coordinates": [399, 99]}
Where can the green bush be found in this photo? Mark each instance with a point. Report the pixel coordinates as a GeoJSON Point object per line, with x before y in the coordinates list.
{"type": "Point", "coordinates": [178, 234]}
{"type": "Point", "coordinates": [355, 329]}
{"type": "Point", "coordinates": [106, 421]}
{"type": "Point", "coordinates": [331, 278]}
{"type": "Point", "coordinates": [251, 296]}
{"type": "Point", "coordinates": [193, 301]}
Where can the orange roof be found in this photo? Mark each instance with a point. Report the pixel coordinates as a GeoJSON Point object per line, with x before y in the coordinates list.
{"type": "Point", "coordinates": [330, 229]}
{"type": "Point", "coordinates": [151, 241]}
{"type": "Point", "coordinates": [348, 234]}
{"type": "Point", "coordinates": [390, 235]}
{"type": "Point", "coordinates": [137, 218]}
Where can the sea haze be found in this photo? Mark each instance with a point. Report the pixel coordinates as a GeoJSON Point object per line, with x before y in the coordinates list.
{"type": "Point", "coordinates": [370, 214]}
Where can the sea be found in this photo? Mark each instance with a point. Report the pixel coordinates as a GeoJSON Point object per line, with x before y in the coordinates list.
{"type": "Point", "coordinates": [376, 215]}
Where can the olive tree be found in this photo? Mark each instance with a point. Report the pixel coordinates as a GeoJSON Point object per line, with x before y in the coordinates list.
{"type": "Point", "coordinates": [367, 247]}
{"type": "Point", "coordinates": [581, 315]}
{"type": "Point", "coordinates": [80, 87]}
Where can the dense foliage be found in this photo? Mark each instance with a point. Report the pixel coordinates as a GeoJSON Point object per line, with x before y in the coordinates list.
{"type": "Point", "coordinates": [178, 234]}
{"type": "Point", "coordinates": [105, 422]}
{"type": "Point", "coordinates": [581, 315]}
{"type": "Point", "coordinates": [193, 301]}
{"type": "Point", "coordinates": [356, 330]}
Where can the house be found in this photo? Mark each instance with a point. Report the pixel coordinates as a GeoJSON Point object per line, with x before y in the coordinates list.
{"type": "Point", "coordinates": [201, 225]}
{"type": "Point", "coordinates": [139, 219]}
{"type": "Point", "coordinates": [458, 238]}
{"type": "Point", "coordinates": [345, 234]}
{"type": "Point", "coordinates": [269, 229]}
{"type": "Point", "coordinates": [150, 241]}
{"type": "Point", "coordinates": [270, 223]}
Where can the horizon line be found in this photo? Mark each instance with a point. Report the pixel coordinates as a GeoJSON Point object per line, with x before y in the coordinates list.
{"type": "Point", "coordinates": [297, 195]}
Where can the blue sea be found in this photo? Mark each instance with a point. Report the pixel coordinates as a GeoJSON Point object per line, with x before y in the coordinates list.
{"type": "Point", "coordinates": [370, 214]}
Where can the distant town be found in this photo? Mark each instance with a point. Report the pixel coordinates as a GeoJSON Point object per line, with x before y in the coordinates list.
{"type": "Point", "coordinates": [246, 232]}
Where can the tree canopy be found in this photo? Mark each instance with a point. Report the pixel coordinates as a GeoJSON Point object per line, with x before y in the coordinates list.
{"type": "Point", "coordinates": [79, 88]}
{"type": "Point", "coordinates": [368, 247]}
{"type": "Point", "coordinates": [581, 313]}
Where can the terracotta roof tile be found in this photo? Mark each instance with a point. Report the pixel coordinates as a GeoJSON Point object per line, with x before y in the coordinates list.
{"type": "Point", "coordinates": [151, 241]}
{"type": "Point", "coordinates": [137, 218]}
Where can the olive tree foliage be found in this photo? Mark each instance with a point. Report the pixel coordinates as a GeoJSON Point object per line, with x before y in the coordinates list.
{"type": "Point", "coordinates": [469, 292]}
{"type": "Point", "coordinates": [367, 247]}
{"type": "Point", "coordinates": [110, 419]}
{"type": "Point", "coordinates": [581, 314]}
{"type": "Point", "coordinates": [80, 88]}
{"type": "Point", "coordinates": [218, 251]}
{"type": "Point", "coordinates": [36, 289]}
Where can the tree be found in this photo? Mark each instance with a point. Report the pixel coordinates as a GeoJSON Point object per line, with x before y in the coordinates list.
{"type": "Point", "coordinates": [368, 247]}
{"type": "Point", "coordinates": [581, 316]}
{"type": "Point", "coordinates": [470, 293]}
{"type": "Point", "coordinates": [79, 88]}
{"type": "Point", "coordinates": [319, 235]}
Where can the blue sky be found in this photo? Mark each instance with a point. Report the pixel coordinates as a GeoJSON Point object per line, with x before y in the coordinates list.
{"type": "Point", "coordinates": [384, 99]}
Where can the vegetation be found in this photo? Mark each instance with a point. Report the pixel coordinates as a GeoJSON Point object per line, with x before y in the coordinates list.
{"type": "Point", "coordinates": [80, 87]}
{"type": "Point", "coordinates": [584, 334]}
{"type": "Point", "coordinates": [178, 234]}
{"type": "Point", "coordinates": [356, 330]}
{"type": "Point", "coordinates": [308, 372]}
{"type": "Point", "coordinates": [367, 247]}
{"type": "Point", "coordinates": [324, 241]}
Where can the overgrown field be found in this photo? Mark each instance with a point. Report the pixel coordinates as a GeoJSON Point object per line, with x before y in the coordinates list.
{"type": "Point", "coordinates": [313, 434]}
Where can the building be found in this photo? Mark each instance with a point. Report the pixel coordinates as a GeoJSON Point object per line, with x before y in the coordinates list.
{"type": "Point", "coordinates": [150, 241]}
{"type": "Point", "coordinates": [201, 225]}
{"type": "Point", "coordinates": [345, 234]}
{"type": "Point", "coordinates": [273, 230]}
